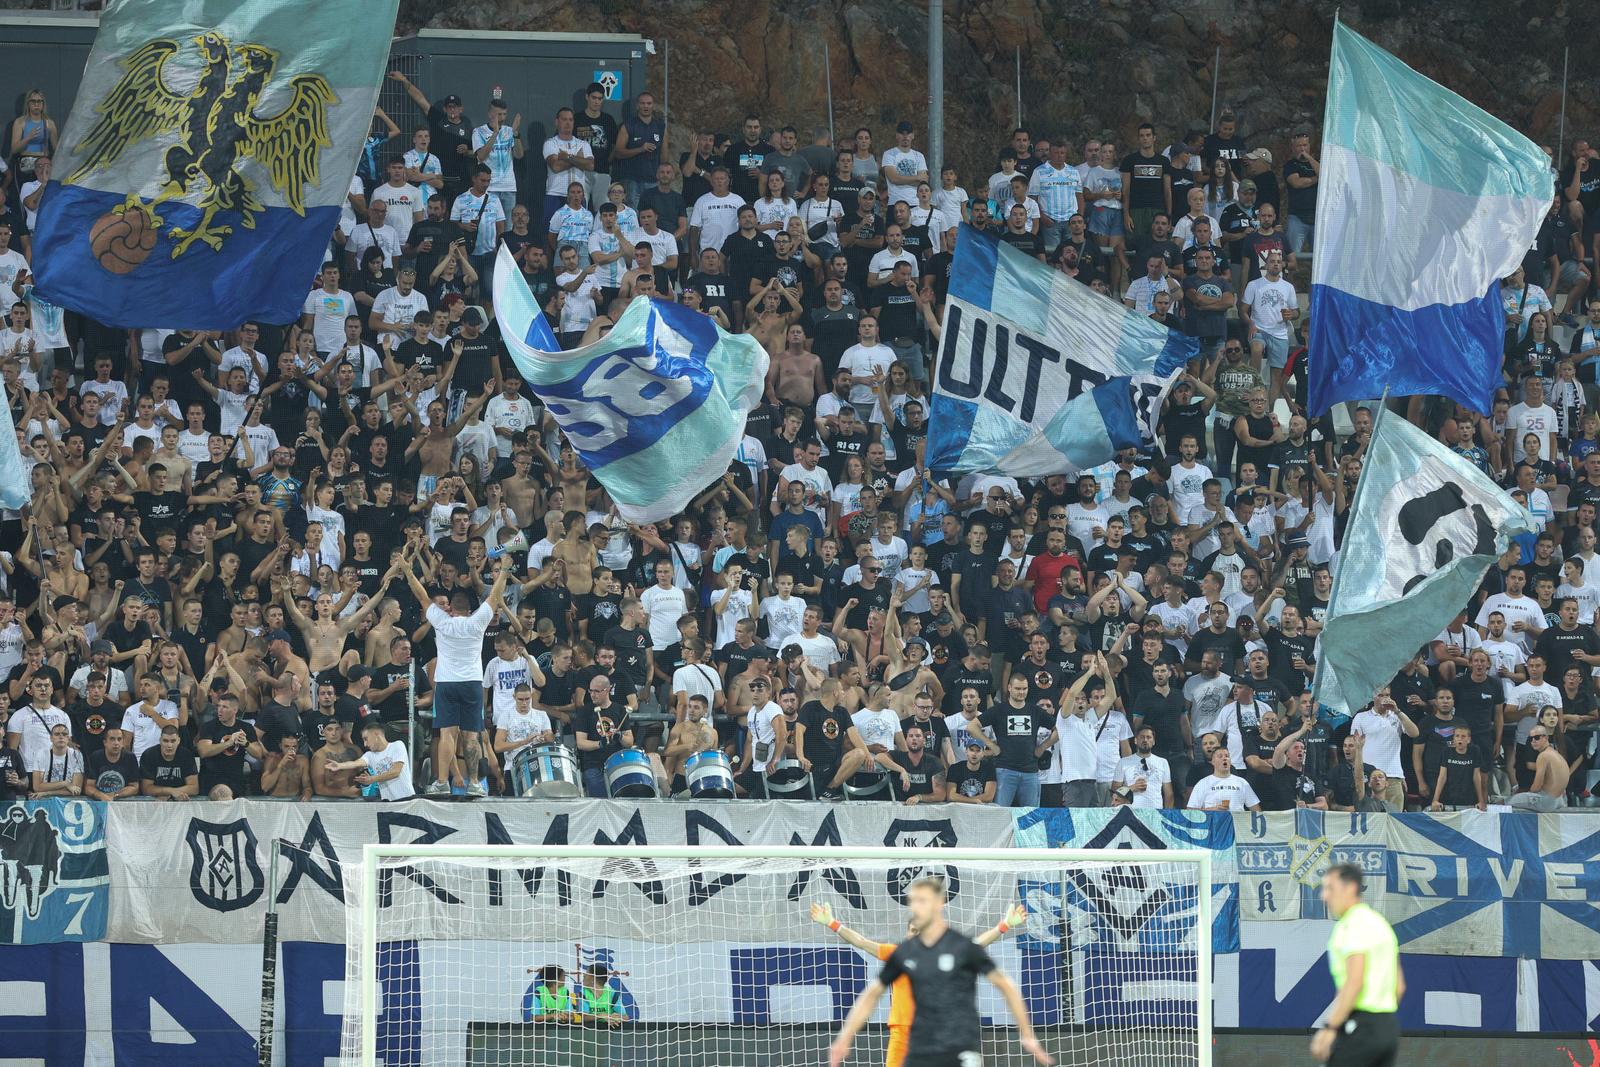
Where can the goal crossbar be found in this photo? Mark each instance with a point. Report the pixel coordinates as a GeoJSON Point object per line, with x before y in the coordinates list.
{"type": "Point", "coordinates": [373, 856]}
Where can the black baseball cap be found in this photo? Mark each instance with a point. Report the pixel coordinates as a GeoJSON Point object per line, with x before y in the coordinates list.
{"type": "Point", "coordinates": [452, 100]}
{"type": "Point", "coordinates": [903, 126]}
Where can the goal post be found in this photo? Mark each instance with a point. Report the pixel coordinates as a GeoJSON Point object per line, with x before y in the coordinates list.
{"type": "Point", "coordinates": [709, 956]}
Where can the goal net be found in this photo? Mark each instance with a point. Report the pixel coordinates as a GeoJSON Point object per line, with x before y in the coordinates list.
{"type": "Point", "coordinates": [528, 956]}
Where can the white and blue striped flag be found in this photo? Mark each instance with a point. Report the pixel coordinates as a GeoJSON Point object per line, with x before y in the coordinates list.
{"type": "Point", "coordinates": [1037, 373]}
{"type": "Point", "coordinates": [1424, 203]}
{"type": "Point", "coordinates": [655, 409]}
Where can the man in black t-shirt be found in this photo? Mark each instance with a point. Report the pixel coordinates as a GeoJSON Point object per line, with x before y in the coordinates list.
{"type": "Point", "coordinates": [1017, 723]}
{"type": "Point", "coordinates": [1459, 781]}
{"type": "Point", "coordinates": [631, 641]}
{"type": "Point", "coordinates": [823, 732]}
{"type": "Point", "coordinates": [223, 746]}
{"type": "Point", "coordinates": [971, 781]}
{"type": "Point", "coordinates": [601, 730]}
{"type": "Point", "coordinates": [15, 782]}
{"type": "Point", "coordinates": [112, 773]}
{"type": "Point", "coordinates": [924, 771]}
{"type": "Point", "coordinates": [1479, 697]}
{"type": "Point", "coordinates": [167, 772]}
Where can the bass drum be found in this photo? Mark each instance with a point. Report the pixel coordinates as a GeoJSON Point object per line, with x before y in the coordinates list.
{"type": "Point", "coordinates": [546, 771]}
{"type": "Point", "coordinates": [629, 775]}
{"type": "Point", "coordinates": [709, 775]}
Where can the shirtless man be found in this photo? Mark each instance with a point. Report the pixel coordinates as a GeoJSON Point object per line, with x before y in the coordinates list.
{"type": "Point", "coordinates": [1550, 774]}
{"type": "Point", "coordinates": [522, 490]}
{"type": "Point", "coordinates": [693, 735]}
{"type": "Point", "coordinates": [795, 376]}
{"type": "Point", "coordinates": [325, 633]}
{"type": "Point", "coordinates": [575, 550]}
{"type": "Point", "coordinates": [769, 321]}
{"type": "Point", "coordinates": [435, 446]}
{"type": "Point", "coordinates": [326, 783]}
{"type": "Point", "coordinates": [385, 630]}
{"type": "Point", "coordinates": [575, 479]}
{"type": "Point", "coordinates": [284, 773]}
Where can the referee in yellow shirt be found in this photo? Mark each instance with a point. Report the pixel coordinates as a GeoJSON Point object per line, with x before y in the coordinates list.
{"type": "Point", "coordinates": [1362, 1029]}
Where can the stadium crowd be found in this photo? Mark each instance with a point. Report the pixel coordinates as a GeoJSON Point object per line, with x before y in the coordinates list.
{"type": "Point", "coordinates": [250, 556]}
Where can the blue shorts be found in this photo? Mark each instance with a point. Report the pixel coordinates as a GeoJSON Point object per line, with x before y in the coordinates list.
{"type": "Point", "coordinates": [458, 704]}
{"type": "Point", "coordinates": [1274, 350]}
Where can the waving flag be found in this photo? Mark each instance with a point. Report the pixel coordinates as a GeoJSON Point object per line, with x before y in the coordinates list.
{"type": "Point", "coordinates": [15, 487]}
{"type": "Point", "coordinates": [655, 409]}
{"type": "Point", "coordinates": [1423, 529]}
{"type": "Point", "coordinates": [207, 158]}
{"type": "Point", "coordinates": [1424, 203]}
{"type": "Point", "coordinates": [1037, 373]}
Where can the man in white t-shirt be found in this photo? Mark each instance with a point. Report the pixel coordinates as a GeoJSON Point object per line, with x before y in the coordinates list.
{"type": "Point", "coordinates": [1147, 775]}
{"type": "Point", "coordinates": [695, 679]}
{"type": "Point", "coordinates": [498, 144]}
{"type": "Point", "coordinates": [521, 725]}
{"type": "Point", "coordinates": [12, 264]}
{"type": "Point", "coordinates": [566, 159]}
{"type": "Point", "coordinates": [880, 270]}
{"type": "Point", "coordinates": [246, 355]}
{"type": "Point", "coordinates": [665, 604]}
{"type": "Point", "coordinates": [1222, 790]}
{"type": "Point", "coordinates": [384, 764]}
{"type": "Point", "coordinates": [458, 676]}
{"type": "Point", "coordinates": [509, 667]}
{"type": "Point", "coordinates": [1380, 727]}
{"type": "Point", "coordinates": [1506, 656]}
{"type": "Point", "coordinates": [868, 362]}
{"type": "Point", "coordinates": [903, 167]}
{"type": "Point", "coordinates": [325, 310]}
{"type": "Point", "coordinates": [819, 487]}
{"type": "Point", "coordinates": [509, 412]}
{"type": "Point", "coordinates": [1270, 304]}
{"type": "Point", "coordinates": [1533, 416]}
{"type": "Point", "coordinates": [784, 612]}
{"type": "Point", "coordinates": [1527, 699]}
{"type": "Point", "coordinates": [767, 737]}
{"type": "Point", "coordinates": [820, 650]}
{"type": "Point", "coordinates": [715, 216]}
{"type": "Point", "coordinates": [394, 311]}
{"type": "Point", "coordinates": [1524, 618]}
{"type": "Point", "coordinates": [404, 201]}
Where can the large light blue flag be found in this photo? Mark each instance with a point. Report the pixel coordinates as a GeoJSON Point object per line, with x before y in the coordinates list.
{"type": "Point", "coordinates": [1423, 529]}
{"type": "Point", "coordinates": [655, 409]}
{"type": "Point", "coordinates": [1037, 373]}
{"type": "Point", "coordinates": [207, 157]}
{"type": "Point", "coordinates": [15, 488]}
{"type": "Point", "coordinates": [1423, 204]}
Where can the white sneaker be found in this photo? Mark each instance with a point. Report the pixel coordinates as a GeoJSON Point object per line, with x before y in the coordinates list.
{"type": "Point", "coordinates": [476, 789]}
{"type": "Point", "coordinates": [436, 788]}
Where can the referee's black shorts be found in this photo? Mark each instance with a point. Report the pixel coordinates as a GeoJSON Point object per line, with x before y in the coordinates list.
{"type": "Point", "coordinates": [1373, 1041]}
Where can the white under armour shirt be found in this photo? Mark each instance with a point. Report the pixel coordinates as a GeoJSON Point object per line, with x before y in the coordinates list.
{"type": "Point", "coordinates": [458, 641]}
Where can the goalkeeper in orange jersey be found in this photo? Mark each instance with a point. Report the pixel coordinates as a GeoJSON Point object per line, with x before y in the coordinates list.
{"type": "Point", "coordinates": [901, 1006]}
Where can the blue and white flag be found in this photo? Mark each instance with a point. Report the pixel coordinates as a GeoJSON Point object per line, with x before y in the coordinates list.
{"type": "Point", "coordinates": [1424, 203]}
{"type": "Point", "coordinates": [655, 409]}
{"type": "Point", "coordinates": [1424, 527]}
{"type": "Point", "coordinates": [1037, 373]}
{"type": "Point", "coordinates": [16, 489]}
{"type": "Point", "coordinates": [207, 157]}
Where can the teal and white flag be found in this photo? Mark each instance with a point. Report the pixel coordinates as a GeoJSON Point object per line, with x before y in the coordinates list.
{"type": "Point", "coordinates": [655, 409]}
{"type": "Point", "coordinates": [15, 487]}
{"type": "Point", "coordinates": [1423, 529]}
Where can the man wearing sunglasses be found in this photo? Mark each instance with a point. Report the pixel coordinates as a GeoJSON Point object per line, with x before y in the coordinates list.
{"type": "Point", "coordinates": [1550, 773]}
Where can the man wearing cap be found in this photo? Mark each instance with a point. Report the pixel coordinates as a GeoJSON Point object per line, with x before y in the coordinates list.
{"type": "Point", "coordinates": [903, 167]}
{"type": "Point", "coordinates": [971, 781]}
{"type": "Point", "coordinates": [450, 131]}
{"type": "Point", "coordinates": [766, 738]}
{"type": "Point", "coordinates": [1239, 221]}
{"type": "Point", "coordinates": [100, 653]}
{"type": "Point", "coordinates": [1258, 168]}
{"type": "Point", "coordinates": [285, 664]}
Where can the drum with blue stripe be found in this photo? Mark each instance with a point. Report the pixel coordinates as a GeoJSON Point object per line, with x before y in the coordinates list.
{"type": "Point", "coordinates": [709, 775]}
{"type": "Point", "coordinates": [628, 775]}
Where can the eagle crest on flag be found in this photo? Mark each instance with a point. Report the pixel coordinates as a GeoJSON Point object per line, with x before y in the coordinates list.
{"type": "Point", "coordinates": [216, 128]}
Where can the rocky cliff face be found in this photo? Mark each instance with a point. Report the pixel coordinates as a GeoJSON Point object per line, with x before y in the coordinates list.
{"type": "Point", "coordinates": [1088, 66]}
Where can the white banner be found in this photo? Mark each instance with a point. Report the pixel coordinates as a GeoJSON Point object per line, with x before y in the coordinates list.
{"type": "Point", "coordinates": [199, 872]}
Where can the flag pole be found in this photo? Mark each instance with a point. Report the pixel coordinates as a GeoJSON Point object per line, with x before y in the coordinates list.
{"type": "Point", "coordinates": [1355, 501]}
